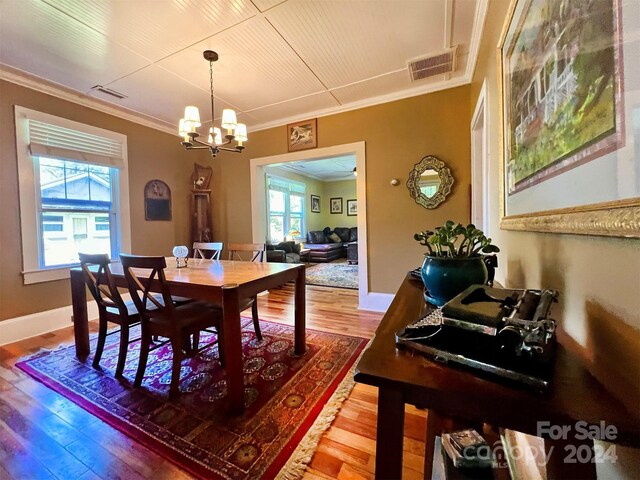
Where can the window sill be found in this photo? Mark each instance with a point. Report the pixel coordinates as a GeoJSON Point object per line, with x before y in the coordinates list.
{"type": "Point", "coordinates": [45, 275]}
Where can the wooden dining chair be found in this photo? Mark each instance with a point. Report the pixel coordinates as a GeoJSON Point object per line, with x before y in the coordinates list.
{"type": "Point", "coordinates": [177, 323]}
{"type": "Point", "coordinates": [111, 307]}
{"type": "Point", "coordinates": [208, 250]}
{"type": "Point", "coordinates": [254, 252]}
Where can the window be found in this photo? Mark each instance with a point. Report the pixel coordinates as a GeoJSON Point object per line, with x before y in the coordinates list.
{"type": "Point", "coordinates": [285, 208]}
{"type": "Point", "coordinates": [73, 193]}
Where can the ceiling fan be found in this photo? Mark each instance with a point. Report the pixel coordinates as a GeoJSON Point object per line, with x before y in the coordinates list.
{"type": "Point", "coordinates": [349, 173]}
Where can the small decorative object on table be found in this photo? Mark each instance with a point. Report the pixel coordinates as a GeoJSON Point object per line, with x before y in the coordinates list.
{"type": "Point", "coordinates": [467, 448]}
{"type": "Point", "coordinates": [181, 253]}
{"type": "Point", "coordinates": [454, 260]}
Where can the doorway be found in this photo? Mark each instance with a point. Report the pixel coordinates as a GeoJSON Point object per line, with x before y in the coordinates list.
{"type": "Point", "coordinates": [258, 207]}
{"type": "Point", "coordinates": [480, 164]}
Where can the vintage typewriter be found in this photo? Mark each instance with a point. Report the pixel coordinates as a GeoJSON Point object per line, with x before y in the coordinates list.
{"type": "Point", "coordinates": [499, 331]}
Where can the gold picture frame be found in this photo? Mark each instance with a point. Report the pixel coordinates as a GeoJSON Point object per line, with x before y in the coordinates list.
{"type": "Point", "coordinates": [302, 135]}
{"type": "Point", "coordinates": [618, 216]}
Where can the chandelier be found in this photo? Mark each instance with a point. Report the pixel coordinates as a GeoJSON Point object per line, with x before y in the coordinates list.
{"type": "Point", "coordinates": [235, 131]}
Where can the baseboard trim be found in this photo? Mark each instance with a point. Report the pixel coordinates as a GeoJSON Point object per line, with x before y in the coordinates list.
{"type": "Point", "coordinates": [27, 326]}
{"type": "Point", "coordinates": [375, 302]}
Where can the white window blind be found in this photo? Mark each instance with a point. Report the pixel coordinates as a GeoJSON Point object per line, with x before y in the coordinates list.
{"type": "Point", "coordinates": [56, 141]}
{"type": "Point", "coordinates": [284, 185]}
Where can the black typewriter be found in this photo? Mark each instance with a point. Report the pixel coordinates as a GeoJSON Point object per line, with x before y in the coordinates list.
{"type": "Point", "coordinates": [499, 331]}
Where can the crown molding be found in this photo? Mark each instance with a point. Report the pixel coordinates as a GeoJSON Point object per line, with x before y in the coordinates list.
{"type": "Point", "coordinates": [33, 82]}
{"type": "Point", "coordinates": [369, 102]}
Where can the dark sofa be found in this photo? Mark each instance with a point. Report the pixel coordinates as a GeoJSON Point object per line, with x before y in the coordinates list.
{"type": "Point", "coordinates": [327, 245]}
{"type": "Point", "coordinates": [284, 252]}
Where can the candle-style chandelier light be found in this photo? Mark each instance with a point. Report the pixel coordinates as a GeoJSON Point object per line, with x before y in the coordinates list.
{"type": "Point", "coordinates": [235, 131]}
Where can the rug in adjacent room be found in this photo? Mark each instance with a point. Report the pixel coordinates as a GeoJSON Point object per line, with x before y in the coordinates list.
{"type": "Point", "coordinates": [334, 274]}
{"type": "Point", "coordinates": [284, 396]}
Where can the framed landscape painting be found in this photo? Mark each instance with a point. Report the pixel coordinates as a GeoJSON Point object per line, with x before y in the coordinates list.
{"type": "Point", "coordinates": [570, 163]}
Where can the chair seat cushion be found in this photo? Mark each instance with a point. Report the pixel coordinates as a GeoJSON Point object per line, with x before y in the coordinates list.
{"type": "Point", "coordinates": [192, 316]}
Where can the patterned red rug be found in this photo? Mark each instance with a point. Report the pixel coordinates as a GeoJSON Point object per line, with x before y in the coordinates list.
{"type": "Point", "coordinates": [284, 396]}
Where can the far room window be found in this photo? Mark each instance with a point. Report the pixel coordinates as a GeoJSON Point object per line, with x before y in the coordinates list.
{"type": "Point", "coordinates": [73, 193]}
{"type": "Point", "coordinates": [285, 209]}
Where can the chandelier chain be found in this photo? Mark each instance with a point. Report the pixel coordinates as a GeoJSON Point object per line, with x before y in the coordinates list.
{"type": "Point", "coordinates": [213, 112]}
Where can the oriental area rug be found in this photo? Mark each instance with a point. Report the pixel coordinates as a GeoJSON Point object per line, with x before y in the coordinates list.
{"type": "Point", "coordinates": [289, 400]}
{"type": "Point", "coordinates": [334, 274]}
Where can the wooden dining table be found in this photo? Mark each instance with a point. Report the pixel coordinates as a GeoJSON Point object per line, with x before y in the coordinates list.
{"type": "Point", "coordinates": [223, 282]}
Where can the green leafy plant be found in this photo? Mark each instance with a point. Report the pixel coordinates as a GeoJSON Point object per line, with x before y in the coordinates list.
{"type": "Point", "coordinates": [455, 241]}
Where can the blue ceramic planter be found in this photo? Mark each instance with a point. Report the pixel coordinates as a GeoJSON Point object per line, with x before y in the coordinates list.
{"type": "Point", "coordinates": [444, 278]}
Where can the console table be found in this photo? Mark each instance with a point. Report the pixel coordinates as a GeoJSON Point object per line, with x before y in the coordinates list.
{"type": "Point", "coordinates": [404, 376]}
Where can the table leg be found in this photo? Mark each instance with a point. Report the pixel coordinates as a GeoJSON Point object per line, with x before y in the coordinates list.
{"type": "Point", "coordinates": [300, 312]}
{"type": "Point", "coordinates": [80, 320]}
{"type": "Point", "coordinates": [390, 434]}
{"type": "Point", "coordinates": [232, 348]}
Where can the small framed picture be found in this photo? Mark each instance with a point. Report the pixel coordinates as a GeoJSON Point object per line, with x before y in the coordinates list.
{"type": "Point", "coordinates": [352, 208]}
{"type": "Point", "coordinates": [302, 135]}
{"type": "Point", "coordinates": [315, 204]}
{"type": "Point", "coordinates": [335, 205]}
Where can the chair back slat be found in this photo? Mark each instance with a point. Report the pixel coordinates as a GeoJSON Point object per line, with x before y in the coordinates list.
{"type": "Point", "coordinates": [214, 249]}
{"type": "Point", "coordinates": [101, 283]}
{"type": "Point", "coordinates": [256, 250]}
{"type": "Point", "coordinates": [149, 269]}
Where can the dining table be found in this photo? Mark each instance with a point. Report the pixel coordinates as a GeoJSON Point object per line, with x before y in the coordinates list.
{"type": "Point", "coordinates": [223, 282]}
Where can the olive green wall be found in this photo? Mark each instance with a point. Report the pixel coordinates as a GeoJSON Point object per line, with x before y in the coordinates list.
{"type": "Point", "coordinates": [346, 190]}
{"type": "Point", "coordinates": [152, 154]}
{"type": "Point", "coordinates": [314, 221]}
{"type": "Point", "coordinates": [598, 277]}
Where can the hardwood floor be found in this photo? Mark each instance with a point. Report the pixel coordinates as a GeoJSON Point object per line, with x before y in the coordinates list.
{"type": "Point", "coordinates": [45, 436]}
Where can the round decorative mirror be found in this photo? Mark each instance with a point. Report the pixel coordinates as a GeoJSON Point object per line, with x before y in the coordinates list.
{"type": "Point", "coordinates": [430, 182]}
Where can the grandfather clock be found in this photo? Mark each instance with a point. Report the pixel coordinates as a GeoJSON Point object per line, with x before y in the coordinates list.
{"type": "Point", "coordinates": [201, 230]}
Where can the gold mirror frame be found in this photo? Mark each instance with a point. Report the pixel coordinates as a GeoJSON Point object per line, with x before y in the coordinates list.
{"type": "Point", "coordinates": [446, 181]}
{"type": "Point", "coordinates": [618, 218]}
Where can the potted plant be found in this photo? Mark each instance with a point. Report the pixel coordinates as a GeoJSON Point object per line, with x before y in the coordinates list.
{"type": "Point", "coordinates": [454, 260]}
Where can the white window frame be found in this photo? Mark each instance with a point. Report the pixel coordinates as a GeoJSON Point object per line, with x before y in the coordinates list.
{"type": "Point", "coordinates": [29, 198]}
{"type": "Point", "coordinates": [287, 208]}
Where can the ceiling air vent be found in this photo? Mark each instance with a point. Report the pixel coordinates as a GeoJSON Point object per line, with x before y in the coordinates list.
{"type": "Point", "coordinates": [108, 91]}
{"type": "Point", "coordinates": [435, 64]}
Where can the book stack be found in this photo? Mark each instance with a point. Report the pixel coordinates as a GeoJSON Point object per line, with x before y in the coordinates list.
{"type": "Point", "coordinates": [467, 449]}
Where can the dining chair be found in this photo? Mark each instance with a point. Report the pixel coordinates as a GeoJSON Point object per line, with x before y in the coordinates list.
{"type": "Point", "coordinates": [254, 252]}
{"type": "Point", "coordinates": [111, 307]}
{"type": "Point", "coordinates": [208, 250]}
{"type": "Point", "coordinates": [177, 323]}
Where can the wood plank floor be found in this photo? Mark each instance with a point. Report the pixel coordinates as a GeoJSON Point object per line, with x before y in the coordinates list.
{"type": "Point", "coordinates": [45, 436]}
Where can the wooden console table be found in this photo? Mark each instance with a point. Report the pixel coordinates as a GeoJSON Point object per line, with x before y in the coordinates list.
{"type": "Point", "coordinates": [404, 376]}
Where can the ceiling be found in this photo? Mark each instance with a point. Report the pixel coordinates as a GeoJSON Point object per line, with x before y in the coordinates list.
{"type": "Point", "coordinates": [280, 60]}
{"type": "Point", "coordinates": [324, 169]}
